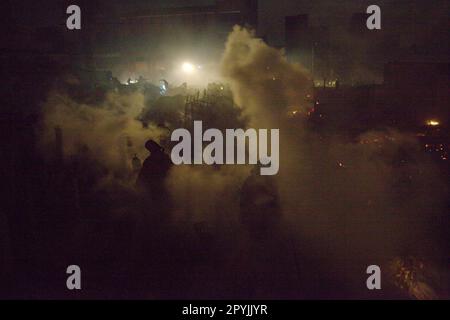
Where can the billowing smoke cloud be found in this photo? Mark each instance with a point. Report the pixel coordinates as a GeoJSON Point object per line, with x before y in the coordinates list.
{"type": "Point", "coordinates": [350, 204]}
{"type": "Point", "coordinates": [263, 82]}
{"type": "Point", "coordinates": [204, 194]}
{"type": "Point", "coordinates": [109, 131]}
{"type": "Point", "coordinates": [344, 205]}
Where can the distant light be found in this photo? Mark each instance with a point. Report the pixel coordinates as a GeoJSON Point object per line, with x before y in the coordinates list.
{"type": "Point", "coordinates": [432, 123]}
{"type": "Point", "coordinates": [131, 81]}
{"type": "Point", "coordinates": [188, 67]}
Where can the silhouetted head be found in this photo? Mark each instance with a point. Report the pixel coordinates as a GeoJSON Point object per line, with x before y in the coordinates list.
{"type": "Point", "coordinates": [152, 146]}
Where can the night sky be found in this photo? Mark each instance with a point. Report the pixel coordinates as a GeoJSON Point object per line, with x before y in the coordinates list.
{"type": "Point", "coordinates": [405, 21]}
{"type": "Point", "coordinates": [271, 13]}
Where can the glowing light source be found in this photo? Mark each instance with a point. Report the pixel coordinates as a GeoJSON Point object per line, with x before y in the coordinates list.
{"type": "Point", "coordinates": [188, 67]}
{"type": "Point", "coordinates": [432, 123]}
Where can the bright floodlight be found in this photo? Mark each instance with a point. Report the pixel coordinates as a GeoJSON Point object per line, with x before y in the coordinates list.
{"type": "Point", "coordinates": [188, 67]}
{"type": "Point", "coordinates": [433, 123]}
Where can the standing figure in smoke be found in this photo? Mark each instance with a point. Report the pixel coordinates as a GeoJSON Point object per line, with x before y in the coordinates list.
{"type": "Point", "coordinates": [155, 205]}
{"type": "Point", "coordinates": [153, 173]}
{"type": "Point", "coordinates": [259, 204]}
{"type": "Point", "coordinates": [264, 259]}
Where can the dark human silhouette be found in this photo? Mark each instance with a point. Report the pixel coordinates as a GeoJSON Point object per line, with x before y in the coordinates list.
{"type": "Point", "coordinates": [155, 206]}
{"type": "Point", "coordinates": [259, 204]}
{"type": "Point", "coordinates": [153, 172]}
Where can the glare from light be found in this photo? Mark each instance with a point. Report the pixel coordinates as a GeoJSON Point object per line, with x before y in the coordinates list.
{"type": "Point", "coordinates": [433, 123]}
{"type": "Point", "coordinates": [188, 67]}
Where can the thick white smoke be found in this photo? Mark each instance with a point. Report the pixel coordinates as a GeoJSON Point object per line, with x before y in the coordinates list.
{"type": "Point", "coordinates": [109, 131]}
{"type": "Point", "coordinates": [263, 82]}
{"type": "Point", "coordinates": [348, 203]}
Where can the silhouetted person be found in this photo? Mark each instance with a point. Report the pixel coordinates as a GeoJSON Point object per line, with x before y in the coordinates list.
{"type": "Point", "coordinates": [259, 204]}
{"type": "Point", "coordinates": [265, 259]}
{"type": "Point", "coordinates": [155, 209]}
{"type": "Point", "coordinates": [154, 170]}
